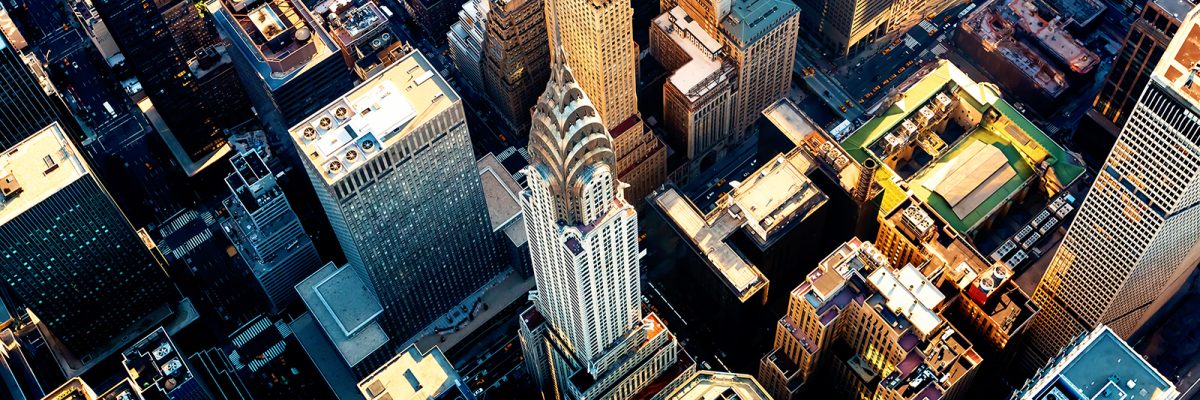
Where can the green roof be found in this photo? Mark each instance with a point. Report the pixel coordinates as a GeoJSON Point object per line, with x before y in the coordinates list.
{"type": "Point", "coordinates": [750, 20]}
{"type": "Point", "coordinates": [1022, 143]}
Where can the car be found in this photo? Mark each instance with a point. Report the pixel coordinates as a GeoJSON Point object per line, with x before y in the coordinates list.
{"type": "Point", "coordinates": [843, 108]}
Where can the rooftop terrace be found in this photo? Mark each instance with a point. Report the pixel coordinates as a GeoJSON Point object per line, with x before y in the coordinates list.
{"type": "Point", "coordinates": [37, 168]}
{"type": "Point", "coordinates": [372, 117]}
{"type": "Point", "coordinates": [707, 68]}
{"type": "Point", "coordinates": [968, 180]}
{"type": "Point", "coordinates": [280, 37]}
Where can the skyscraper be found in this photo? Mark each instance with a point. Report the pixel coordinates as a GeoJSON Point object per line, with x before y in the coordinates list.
{"type": "Point", "coordinates": [1144, 45]}
{"type": "Point", "coordinates": [1097, 364]}
{"type": "Point", "coordinates": [844, 26]}
{"type": "Point", "coordinates": [594, 342]}
{"type": "Point", "coordinates": [467, 42]}
{"type": "Point", "coordinates": [597, 36]}
{"type": "Point", "coordinates": [24, 107]}
{"type": "Point", "coordinates": [179, 60]}
{"type": "Point", "coordinates": [392, 164]}
{"type": "Point", "coordinates": [68, 253]}
{"type": "Point", "coordinates": [1134, 240]}
{"type": "Point", "coordinates": [515, 59]}
{"type": "Point", "coordinates": [760, 37]}
{"type": "Point", "coordinates": [266, 231]}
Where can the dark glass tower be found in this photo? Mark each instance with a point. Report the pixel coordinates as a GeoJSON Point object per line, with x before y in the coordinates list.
{"type": "Point", "coordinates": [24, 107]}
{"type": "Point", "coordinates": [173, 51]}
{"type": "Point", "coordinates": [67, 252]}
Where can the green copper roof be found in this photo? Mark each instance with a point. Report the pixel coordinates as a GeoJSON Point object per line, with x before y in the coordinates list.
{"type": "Point", "coordinates": [750, 20]}
{"type": "Point", "coordinates": [1022, 143]}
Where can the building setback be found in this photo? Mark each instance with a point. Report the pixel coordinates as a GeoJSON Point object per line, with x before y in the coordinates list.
{"type": "Point", "coordinates": [1134, 240]}
{"type": "Point", "coordinates": [392, 165]}
{"type": "Point", "coordinates": [68, 253]}
{"type": "Point", "coordinates": [516, 59]}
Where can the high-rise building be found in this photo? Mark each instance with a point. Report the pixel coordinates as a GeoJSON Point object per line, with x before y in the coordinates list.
{"type": "Point", "coordinates": [760, 38]}
{"type": "Point", "coordinates": [585, 337]}
{"type": "Point", "coordinates": [298, 59]}
{"type": "Point", "coordinates": [467, 41]}
{"type": "Point", "coordinates": [704, 385]}
{"type": "Point", "coordinates": [516, 59]}
{"type": "Point", "coordinates": [161, 371]}
{"type": "Point", "coordinates": [25, 108]}
{"type": "Point", "coordinates": [392, 165]}
{"type": "Point", "coordinates": [192, 92]}
{"type": "Point", "coordinates": [1097, 364]}
{"type": "Point", "coordinates": [1134, 240]}
{"type": "Point", "coordinates": [1143, 47]}
{"type": "Point", "coordinates": [413, 374]}
{"type": "Point", "coordinates": [698, 96]}
{"type": "Point", "coordinates": [864, 329]}
{"type": "Point", "coordinates": [70, 256]}
{"type": "Point", "coordinates": [433, 16]}
{"type": "Point", "coordinates": [845, 26]}
{"type": "Point", "coordinates": [265, 230]}
{"type": "Point", "coordinates": [598, 38]}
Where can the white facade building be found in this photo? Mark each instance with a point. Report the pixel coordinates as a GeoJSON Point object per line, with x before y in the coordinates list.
{"type": "Point", "coordinates": [1135, 238]}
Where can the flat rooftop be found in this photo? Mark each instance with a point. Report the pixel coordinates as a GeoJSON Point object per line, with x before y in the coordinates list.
{"type": "Point", "coordinates": [73, 389]}
{"type": "Point", "coordinates": [35, 169]}
{"type": "Point", "coordinates": [1102, 366]}
{"type": "Point", "coordinates": [909, 294]}
{"type": "Point", "coordinates": [1175, 8]}
{"type": "Point", "coordinates": [804, 133]}
{"type": "Point", "coordinates": [1054, 36]}
{"type": "Point", "coordinates": [372, 117]}
{"type": "Point", "coordinates": [997, 32]}
{"type": "Point", "coordinates": [413, 375]}
{"type": "Point", "coordinates": [765, 205]}
{"type": "Point", "coordinates": [750, 20]}
{"type": "Point", "coordinates": [346, 309]}
{"type": "Point", "coordinates": [706, 69]}
{"type": "Point", "coordinates": [710, 385]}
{"type": "Point", "coordinates": [972, 177]}
{"type": "Point", "coordinates": [281, 38]}
{"type": "Point", "coordinates": [154, 361]}
{"type": "Point", "coordinates": [1176, 69]}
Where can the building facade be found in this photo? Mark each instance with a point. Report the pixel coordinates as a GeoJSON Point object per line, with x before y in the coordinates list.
{"type": "Point", "coordinates": [760, 37]}
{"type": "Point", "coordinates": [175, 54]}
{"type": "Point", "coordinates": [1133, 242]}
{"type": "Point", "coordinates": [265, 230]}
{"type": "Point", "coordinates": [598, 38]}
{"type": "Point", "coordinates": [467, 41]}
{"type": "Point", "coordinates": [860, 328]}
{"type": "Point", "coordinates": [392, 165]}
{"type": "Point", "coordinates": [70, 256]}
{"type": "Point", "coordinates": [25, 108]}
{"type": "Point", "coordinates": [516, 59]}
{"type": "Point", "coordinates": [1143, 47]}
{"type": "Point", "coordinates": [585, 337]}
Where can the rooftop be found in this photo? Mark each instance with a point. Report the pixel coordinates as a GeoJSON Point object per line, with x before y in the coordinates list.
{"type": "Point", "coordinates": [750, 20]}
{"type": "Point", "coordinates": [500, 191]}
{"type": "Point", "coordinates": [346, 309]}
{"type": "Point", "coordinates": [35, 169]}
{"type": "Point", "coordinates": [969, 180]}
{"type": "Point", "coordinates": [1053, 36]}
{"type": "Point", "coordinates": [1099, 366]}
{"type": "Point", "coordinates": [765, 205]}
{"type": "Point", "coordinates": [413, 375]}
{"type": "Point", "coordinates": [1177, 68]}
{"type": "Point", "coordinates": [706, 69]}
{"type": "Point", "coordinates": [996, 33]}
{"type": "Point", "coordinates": [710, 385]}
{"type": "Point", "coordinates": [1080, 12]}
{"type": "Point", "coordinates": [1175, 8]}
{"type": "Point", "coordinates": [804, 133]}
{"type": "Point", "coordinates": [155, 362]}
{"type": "Point", "coordinates": [73, 389]}
{"type": "Point", "coordinates": [372, 117]}
{"type": "Point", "coordinates": [909, 294]}
{"type": "Point", "coordinates": [280, 37]}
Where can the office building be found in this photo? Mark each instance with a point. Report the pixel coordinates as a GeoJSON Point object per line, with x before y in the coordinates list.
{"type": "Point", "coordinates": [253, 359]}
{"type": "Point", "coordinates": [265, 230]}
{"type": "Point", "coordinates": [1097, 365]}
{"type": "Point", "coordinates": [25, 107]}
{"type": "Point", "coordinates": [516, 63]}
{"type": "Point", "coordinates": [861, 328]}
{"type": "Point", "coordinates": [433, 16]}
{"type": "Point", "coordinates": [413, 374]}
{"type": "Point", "coordinates": [70, 256]}
{"type": "Point", "coordinates": [1051, 34]}
{"type": "Point", "coordinates": [342, 328]}
{"type": "Point", "coordinates": [1133, 242]}
{"type": "Point", "coordinates": [1141, 50]}
{"type": "Point", "coordinates": [760, 37]}
{"type": "Point", "coordinates": [710, 385]}
{"type": "Point", "coordinates": [698, 95]}
{"type": "Point", "coordinates": [18, 377]}
{"type": "Point", "coordinates": [597, 37]}
{"type": "Point", "coordinates": [296, 63]}
{"type": "Point", "coordinates": [159, 370]}
{"type": "Point", "coordinates": [392, 164]}
{"type": "Point", "coordinates": [191, 93]}
{"type": "Point", "coordinates": [585, 337]}
{"type": "Point", "coordinates": [848, 27]}
{"type": "Point", "coordinates": [990, 38]}
{"type": "Point", "coordinates": [467, 41]}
